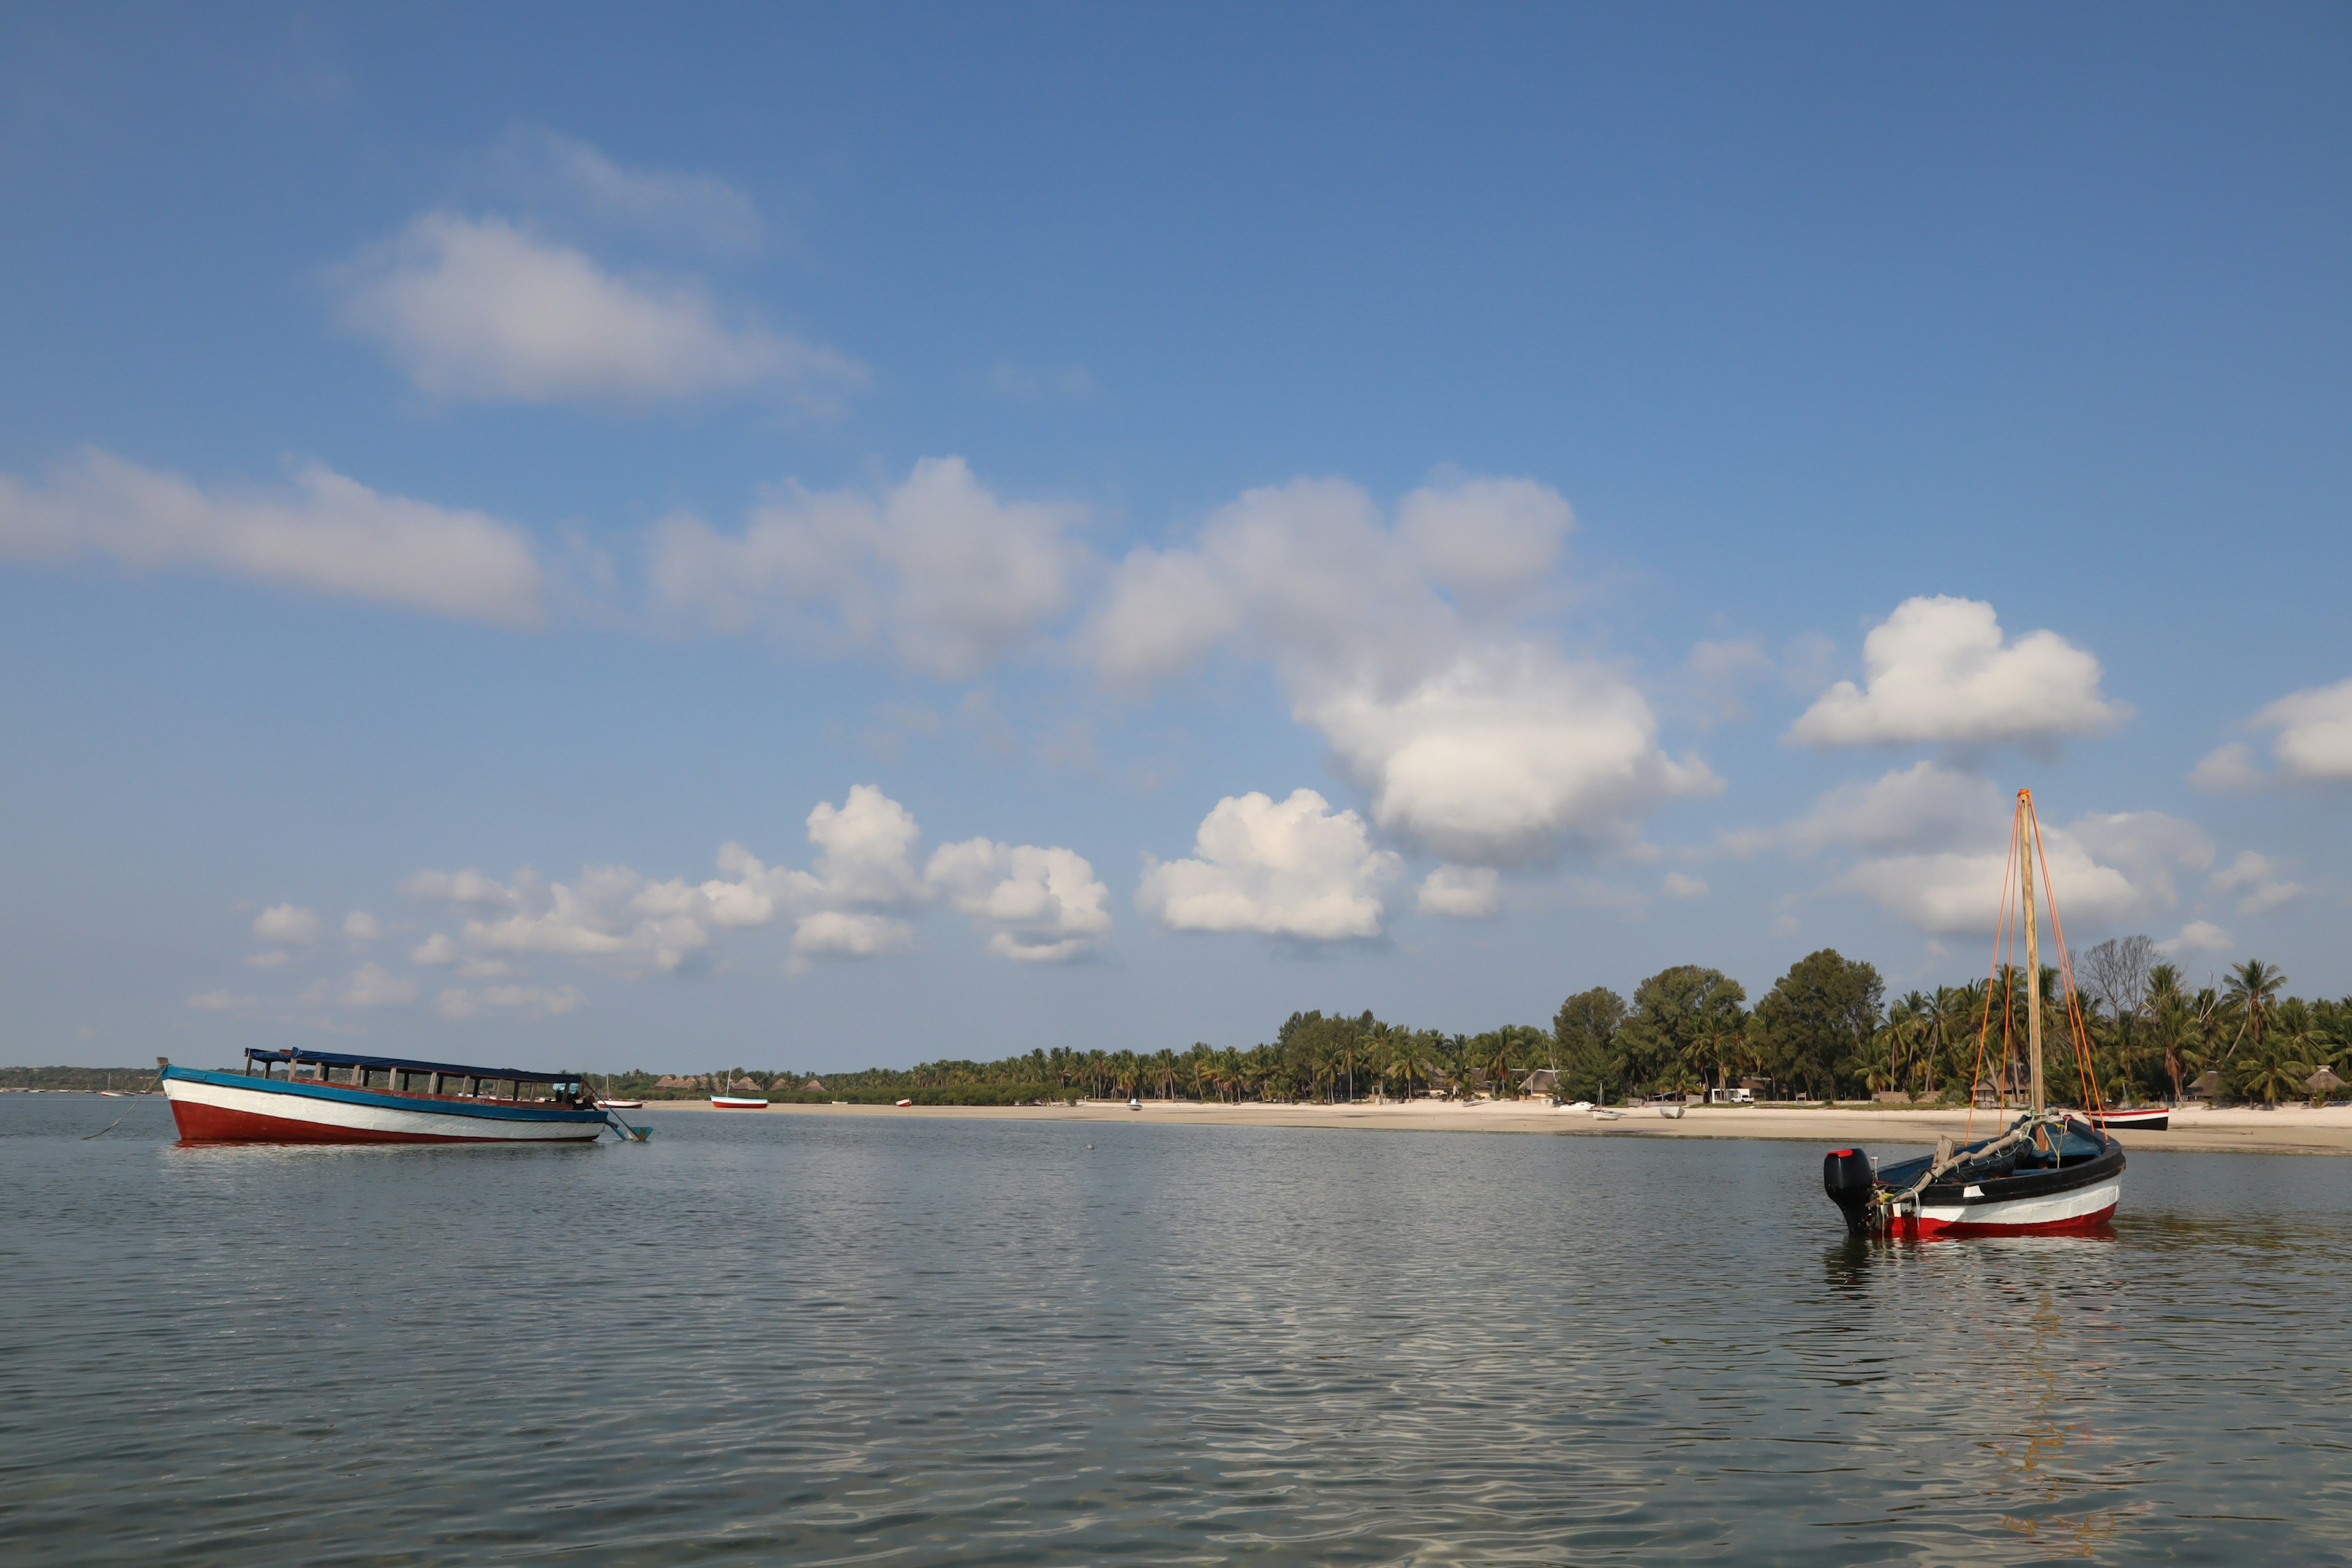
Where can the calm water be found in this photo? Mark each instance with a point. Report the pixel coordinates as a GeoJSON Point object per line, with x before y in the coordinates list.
{"type": "Point", "coordinates": [799, 1339]}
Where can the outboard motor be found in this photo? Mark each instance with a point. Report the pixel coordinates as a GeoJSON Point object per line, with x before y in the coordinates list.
{"type": "Point", "coordinates": [1848, 1179]}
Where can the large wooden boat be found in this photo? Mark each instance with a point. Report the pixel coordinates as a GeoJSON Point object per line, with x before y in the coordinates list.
{"type": "Point", "coordinates": [2049, 1171]}
{"type": "Point", "coordinates": [321, 1097]}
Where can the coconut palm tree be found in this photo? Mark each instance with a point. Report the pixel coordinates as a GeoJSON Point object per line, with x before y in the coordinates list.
{"type": "Point", "coordinates": [2249, 993]}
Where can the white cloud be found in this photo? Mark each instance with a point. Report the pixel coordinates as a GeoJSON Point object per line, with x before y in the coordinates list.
{"type": "Point", "coordinates": [937, 568]}
{"type": "Point", "coordinates": [840, 933]}
{"type": "Point", "coordinates": [286, 925]}
{"type": "Point", "coordinates": [1926, 804]}
{"type": "Point", "coordinates": [1478, 743]}
{"type": "Point", "coordinates": [612, 915]}
{"type": "Point", "coordinates": [1682, 884]}
{"type": "Point", "coordinates": [1462, 892]}
{"type": "Point", "coordinates": [1485, 538]}
{"type": "Point", "coordinates": [1932, 844]}
{"type": "Point", "coordinates": [436, 950]}
{"type": "Point", "coordinates": [1297, 869]}
{"type": "Point", "coordinates": [2198, 936]}
{"type": "Point", "coordinates": [2262, 882]}
{"type": "Point", "coordinates": [2310, 743]}
{"type": "Point", "coordinates": [609, 914]}
{"type": "Point", "coordinates": [325, 534]}
{"type": "Point", "coordinates": [1940, 671]}
{"type": "Point", "coordinates": [361, 926]}
{"type": "Point", "coordinates": [528, 1001]}
{"type": "Point", "coordinates": [1039, 905]}
{"type": "Point", "coordinates": [372, 986]}
{"type": "Point", "coordinates": [658, 204]}
{"type": "Point", "coordinates": [1499, 757]}
{"type": "Point", "coordinates": [482, 309]}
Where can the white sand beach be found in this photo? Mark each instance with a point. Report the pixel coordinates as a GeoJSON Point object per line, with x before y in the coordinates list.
{"type": "Point", "coordinates": [2289, 1129]}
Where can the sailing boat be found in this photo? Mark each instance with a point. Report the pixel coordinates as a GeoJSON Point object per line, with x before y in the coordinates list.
{"type": "Point", "coordinates": [2051, 1172]}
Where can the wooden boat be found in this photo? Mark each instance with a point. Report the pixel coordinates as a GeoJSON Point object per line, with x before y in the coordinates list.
{"type": "Point", "coordinates": [2147, 1118]}
{"type": "Point", "coordinates": [902, 1104]}
{"type": "Point", "coordinates": [325, 1096]}
{"type": "Point", "coordinates": [621, 1104]}
{"type": "Point", "coordinates": [737, 1103]}
{"type": "Point", "coordinates": [2049, 1171]}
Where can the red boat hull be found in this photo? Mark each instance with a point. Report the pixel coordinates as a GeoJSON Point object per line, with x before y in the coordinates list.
{"type": "Point", "coordinates": [1924, 1228]}
{"type": "Point", "coordinates": [215, 1124]}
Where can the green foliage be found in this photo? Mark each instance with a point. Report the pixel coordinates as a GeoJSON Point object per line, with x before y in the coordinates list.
{"type": "Point", "coordinates": [1685, 1029]}
{"type": "Point", "coordinates": [1819, 1017]}
{"type": "Point", "coordinates": [1584, 1033]}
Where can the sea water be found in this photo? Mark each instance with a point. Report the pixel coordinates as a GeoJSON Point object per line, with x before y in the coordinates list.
{"type": "Point", "coordinates": [811, 1339]}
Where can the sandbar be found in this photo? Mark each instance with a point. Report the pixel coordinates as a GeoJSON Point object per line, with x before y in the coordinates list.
{"type": "Point", "coordinates": [2237, 1130]}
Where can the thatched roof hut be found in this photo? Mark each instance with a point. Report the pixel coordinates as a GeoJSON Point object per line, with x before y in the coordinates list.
{"type": "Point", "coordinates": [2207, 1086]}
{"type": "Point", "coordinates": [2324, 1081]}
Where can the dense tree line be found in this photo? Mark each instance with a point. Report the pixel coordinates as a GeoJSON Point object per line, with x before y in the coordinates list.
{"type": "Point", "coordinates": [1826, 1030]}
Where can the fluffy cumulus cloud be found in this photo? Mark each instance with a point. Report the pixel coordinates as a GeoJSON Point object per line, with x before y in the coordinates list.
{"type": "Point", "coordinates": [2258, 882]}
{"type": "Point", "coordinates": [1476, 743]}
{"type": "Point", "coordinates": [1295, 869]}
{"type": "Point", "coordinates": [854, 900]}
{"type": "Point", "coordinates": [1929, 844]}
{"type": "Point", "coordinates": [487, 310]}
{"type": "Point", "coordinates": [1940, 671]}
{"type": "Point", "coordinates": [1504, 754]}
{"type": "Point", "coordinates": [1038, 905]}
{"type": "Point", "coordinates": [1461, 892]}
{"type": "Point", "coordinates": [2195, 937]}
{"type": "Point", "coordinates": [609, 914]}
{"type": "Point", "coordinates": [361, 926]}
{"type": "Point", "coordinates": [322, 533]}
{"type": "Point", "coordinates": [937, 569]}
{"type": "Point", "coordinates": [286, 925]}
{"type": "Point", "coordinates": [2310, 737]}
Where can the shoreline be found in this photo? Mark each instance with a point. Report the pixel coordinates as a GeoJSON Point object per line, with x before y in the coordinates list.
{"type": "Point", "coordinates": [2234, 1130]}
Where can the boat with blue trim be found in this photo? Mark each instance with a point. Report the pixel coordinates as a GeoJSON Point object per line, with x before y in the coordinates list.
{"type": "Point", "coordinates": [327, 1097]}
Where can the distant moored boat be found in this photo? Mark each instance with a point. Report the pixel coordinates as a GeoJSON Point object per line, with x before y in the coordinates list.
{"type": "Point", "coordinates": [2148, 1118]}
{"type": "Point", "coordinates": [737, 1103]}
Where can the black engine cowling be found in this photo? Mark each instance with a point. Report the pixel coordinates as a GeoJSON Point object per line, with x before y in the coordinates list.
{"type": "Point", "coordinates": [1848, 1179]}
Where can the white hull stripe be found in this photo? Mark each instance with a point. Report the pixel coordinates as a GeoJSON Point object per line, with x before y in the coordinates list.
{"type": "Point", "coordinates": [2048, 1210]}
{"type": "Point", "coordinates": [379, 1118]}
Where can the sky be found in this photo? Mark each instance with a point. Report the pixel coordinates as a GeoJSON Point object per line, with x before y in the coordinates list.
{"type": "Point", "coordinates": [828, 537]}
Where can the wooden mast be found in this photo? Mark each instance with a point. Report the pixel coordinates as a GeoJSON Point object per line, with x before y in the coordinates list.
{"type": "Point", "coordinates": [2028, 840]}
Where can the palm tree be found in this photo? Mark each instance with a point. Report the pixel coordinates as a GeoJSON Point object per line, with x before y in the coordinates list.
{"type": "Point", "coordinates": [2250, 993]}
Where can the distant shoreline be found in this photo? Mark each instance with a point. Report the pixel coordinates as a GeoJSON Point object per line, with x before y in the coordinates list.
{"type": "Point", "coordinates": [2233, 1130]}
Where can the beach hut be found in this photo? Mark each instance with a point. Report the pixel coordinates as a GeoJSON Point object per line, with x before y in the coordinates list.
{"type": "Point", "coordinates": [1540, 1081]}
{"type": "Point", "coordinates": [2208, 1086]}
{"type": "Point", "coordinates": [2323, 1083]}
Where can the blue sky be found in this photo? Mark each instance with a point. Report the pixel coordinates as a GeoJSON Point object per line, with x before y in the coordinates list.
{"type": "Point", "coordinates": [1658, 477]}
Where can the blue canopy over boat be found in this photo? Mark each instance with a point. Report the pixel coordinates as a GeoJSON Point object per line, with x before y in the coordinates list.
{"type": "Point", "coordinates": [335, 1058]}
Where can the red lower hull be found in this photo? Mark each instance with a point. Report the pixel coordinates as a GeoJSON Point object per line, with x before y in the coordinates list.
{"type": "Point", "coordinates": [1918, 1229]}
{"type": "Point", "coordinates": [212, 1124]}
